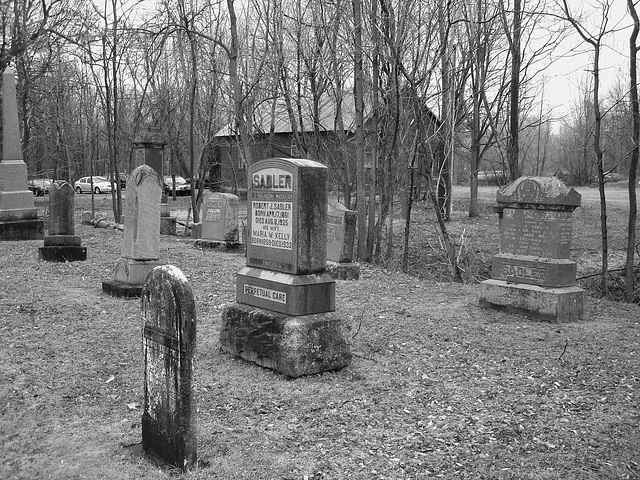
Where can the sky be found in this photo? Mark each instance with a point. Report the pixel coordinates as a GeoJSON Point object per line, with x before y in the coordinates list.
{"type": "Point", "coordinates": [563, 77]}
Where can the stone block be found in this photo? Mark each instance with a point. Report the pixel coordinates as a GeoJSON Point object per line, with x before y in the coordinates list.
{"type": "Point", "coordinates": [62, 241]}
{"type": "Point", "coordinates": [546, 272]}
{"type": "Point", "coordinates": [32, 229]}
{"type": "Point", "coordinates": [196, 230]}
{"type": "Point", "coordinates": [285, 293]}
{"type": "Point", "coordinates": [219, 215]}
{"type": "Point", "coordinates": [121, 290]}
{"type": "Point", "coordinates": [293, 346]}
{"type": "Point", "coordinates": [343, 271]}
{"type": "Point", "coordinates": [341, 232]}
{"type": "Point", "coordinates": [62, 253]}
{"type": "Point", "coordinates": [564, 304]}
{"type": "Point", "coordinates": [168, 225]}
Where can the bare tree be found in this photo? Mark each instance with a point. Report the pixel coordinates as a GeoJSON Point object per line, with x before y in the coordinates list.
{"type": "Point", "coordinates": [595, 41]}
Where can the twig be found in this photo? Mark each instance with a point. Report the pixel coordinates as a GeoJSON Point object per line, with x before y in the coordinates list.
{"type": "Point", "coordinates": [566, 344]}
{"type": "Point", "coordinates": [366, 358]}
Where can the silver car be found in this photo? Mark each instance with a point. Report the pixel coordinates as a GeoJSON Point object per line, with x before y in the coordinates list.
{"type": "Point", "coordinates": [100, 185]}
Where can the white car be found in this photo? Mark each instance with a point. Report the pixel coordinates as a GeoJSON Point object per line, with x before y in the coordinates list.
{"type": "Point", "coordinates": [100, 185]}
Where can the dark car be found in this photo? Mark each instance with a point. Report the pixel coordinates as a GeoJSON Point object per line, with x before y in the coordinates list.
{"type": "Point", "coordinates": [39, 186]}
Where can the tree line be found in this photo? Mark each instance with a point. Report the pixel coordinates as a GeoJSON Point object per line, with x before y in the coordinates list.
{"type": "Point", "coordinates": [423, 94]}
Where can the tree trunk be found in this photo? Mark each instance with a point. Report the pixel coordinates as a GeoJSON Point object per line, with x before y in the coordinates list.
{"type": "Point", "coordinates": [359, 107]}
{"type": "Point", "coordinates": [635, 153]}
{"type": "Point", "coordinates": [514, 92]}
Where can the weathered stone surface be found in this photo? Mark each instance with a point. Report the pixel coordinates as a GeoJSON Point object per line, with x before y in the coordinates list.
{"type": "Point", "coordinates": [18, 215]}
{"type": "Point", "coordinates": [564, 304]}
{"type": "Point", "coordinates": [169, 343]}
{"type": "Point", "coordinates": [549, 192]}
{"type": "Point", "coordinates": [343, 271]}
{"type": "Point", "coordinates": [62, 241]}
{"type": "Point", "coordinates": [32, 229]}
{"type": "Point", "coordinates": [70, 253]}
{"type": "Point", "coordinates": [168, 225]}
{"type": "Point", "coordinates": [287, 214]}
{"type": "Point", "coordinates": [61, 209]}
{"type": "Point", "coordinates": [293, 346]}
{"type": "Point", "coordinates": [341, 232]}
{"type": "Point", "coordinates": [203, 244]}
{"type": "Point", "coordinates": [132, 271]}
{"type": "Point", "coordinates": [285, 293]}
{"type": "Point", "coordinates": [546, 272]}
{"type": "Point", "coordinates": [541, 233]}
{"type": "Point", "coordinates": [141, 239]}
{"type": "Point", "coordinates": [196, 230]}
{"type": "Point", "coordinates": [219, 217]}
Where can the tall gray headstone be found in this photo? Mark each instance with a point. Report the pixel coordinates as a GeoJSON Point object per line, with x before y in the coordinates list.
{"type": "Point", "coordinates": [18, 215]}
{"type": "Point", "coordinates": [61, 244]}
{"type": "Point", "coordinates": [141, 238]}
{"type": "Point", "coordinates": [169, 344]}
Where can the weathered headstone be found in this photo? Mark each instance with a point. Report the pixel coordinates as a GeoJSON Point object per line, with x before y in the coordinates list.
{"type": "Point", "coordinates": [219, 222]}
{"type": "Point", "coordinates": [533, 273]}
{"type": "Point", "coordinates": [141, 238]}
{"type": "Point", "coordinates": [149, 150]}
{"type": "Point", "coordinates": [169, 344]}
{"type": "Point", "coordinates": [61, 244]}
{"type": "Point", "coordinates": [18, 215]}
{"type": "Point", "coordinates": [283, 318]}
{"type": "Point", "coordinates": [341, 233]}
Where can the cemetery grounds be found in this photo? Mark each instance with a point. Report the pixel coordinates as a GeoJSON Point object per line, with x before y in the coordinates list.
{"type": "Point", "coordinates": [437, 388]}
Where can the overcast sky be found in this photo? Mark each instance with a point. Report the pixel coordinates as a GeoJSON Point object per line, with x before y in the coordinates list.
{"type": "Point", "coordinates": [563, 77]}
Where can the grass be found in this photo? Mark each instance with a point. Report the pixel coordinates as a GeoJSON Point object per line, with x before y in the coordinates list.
{"type": "Point", "coordinates": [438, 388]}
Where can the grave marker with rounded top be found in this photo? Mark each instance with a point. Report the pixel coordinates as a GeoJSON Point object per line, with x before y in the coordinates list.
{"type": "Point", "coordinates": [61, 244]}
{"type": "Point", "coordinates": [141, 237]}
{"type": "Point", "coordinates": [18, 215]}
{"type": "Point", "coordinates": [219, 222]}
{"type": "Point", "coordinates": [283, 318]}
{"type": "Point", "coordinates": [533, 273]}
{"type": "Point", "coordinates": [169, 344]}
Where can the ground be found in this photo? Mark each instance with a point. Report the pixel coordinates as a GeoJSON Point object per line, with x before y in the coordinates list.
{"type": "Point", "coordinates": [437, 387]}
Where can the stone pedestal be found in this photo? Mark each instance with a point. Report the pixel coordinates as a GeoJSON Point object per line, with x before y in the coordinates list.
{"type": "Point", "coordinates": [533, 273]}
{"type": "Point", "coordinates": [294, 346]}
{"type": "Point", "coordinates": [564, 304]}
{"type": "Point", "coordinates": [204, 244]}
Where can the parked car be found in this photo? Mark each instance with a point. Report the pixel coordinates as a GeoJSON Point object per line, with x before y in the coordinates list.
{"type": "Point", "coordinates": [182, 186]}
{"type": "Point", "coordinates": [39, 186]}
{"type": "Point", "coordinates": [100, 185]}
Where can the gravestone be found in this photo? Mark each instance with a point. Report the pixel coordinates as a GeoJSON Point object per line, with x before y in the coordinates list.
{"type": "Point", "coordinates": [219, 222]}
{"type": "Point", "coordinates": [149, 150]}
{"type": "Point", "coordinates": [341, 233]}
{"type": "Point", "coordinates": [284, 316]}
{"type": "Point", "coordinates": [169, 344]}
{"type": "Point", "coordinates": [18, 214]}
{"type": "Point", "coordinates": [141, 238]}
{"type": "Point", "coordinates": [533, 273]}
{"type": "Point", "coordinates": [61, 244]}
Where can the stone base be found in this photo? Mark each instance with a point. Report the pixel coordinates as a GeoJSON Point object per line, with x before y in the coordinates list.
{"type": "Point", "coordinates": [132, 271]}
{"type": "Point", "coordinates": [286, 293]}
{"type": "Point", "coordinates": [294, 346]}
{"type": "Point", "coordinates": [565, 304]}
{"type": "Point", "coordinates": [545, 272]}
{"type": "Point", "coordinates": [343, 271]}
{"type": "Point", "coordinates": [168, 225]}
{"type": "Point", "coordinates": [30, 229]}
{"type": "Point", "coordinates": [122, 290]}
{"type": "Point", "coordinates": [62, 253]}
{"type": "Point", "coordinates": [62, 241]}
{"type": "Point", "coordinates": [204, 244]}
